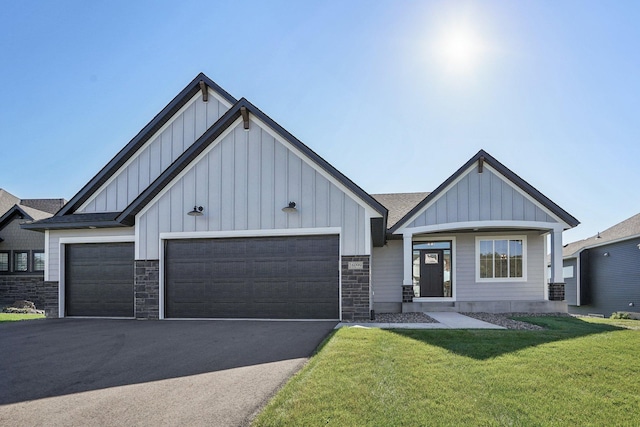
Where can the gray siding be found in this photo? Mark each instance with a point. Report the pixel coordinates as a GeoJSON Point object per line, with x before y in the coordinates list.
{"type": "Point", "coordinates": [470, 290]}
{"type": "Point", "coordinates": [15, 238]}
{"type": "Point", "coordinates": [571, 283]}
{"type": "Point", "coordinates": [481, 197]}
{"type": "Point", "coordinates": [243, 181]}
{"type": "Point", "coordinates": [387, 272]}
{"type": "Point", "coordinates": [156, 155]}
{"type": "Point", "coordinates": [53, 250]}
{"type": "Point", "coordinates": [614, 280]}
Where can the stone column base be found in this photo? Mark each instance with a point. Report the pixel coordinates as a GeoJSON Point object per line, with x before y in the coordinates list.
{"type": "Point", "coordinates": [556, 291]}
{"type": "Point", "coordinates": [407, 293]}
{"type": "Point", "coordinates": [147, 289]}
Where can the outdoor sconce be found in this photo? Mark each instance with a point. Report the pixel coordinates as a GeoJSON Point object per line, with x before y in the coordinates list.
{"type": "Point", "coordinates": [290, 208]}
{"type": "Point", "coordinates": [197, 211]}
{"type": "Point", "coordinates": [606, 254]}
{"type": "Point", "coordinates": [631, 304]}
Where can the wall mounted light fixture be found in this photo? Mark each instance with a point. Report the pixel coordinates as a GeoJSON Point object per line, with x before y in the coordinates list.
{"type": "Point", "coordinates": [290, 208]}
{"type": "Point", "coordinates": [606, 254]}
{"type": "Point", "coordinates": [197, 211]}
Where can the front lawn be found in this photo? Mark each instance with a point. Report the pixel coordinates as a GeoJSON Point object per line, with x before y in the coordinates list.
{"type": "Point", "coordinates": [12, 317]}
{"type": "Point", "coordinates": [576, 372]}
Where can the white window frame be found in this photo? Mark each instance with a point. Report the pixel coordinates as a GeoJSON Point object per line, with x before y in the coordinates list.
{"type": "Point", "coordinates": [525, 256]}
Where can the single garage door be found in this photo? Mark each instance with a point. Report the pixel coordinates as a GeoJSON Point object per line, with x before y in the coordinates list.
{"type": "Point", "coordinates": [260, 278]}
{"type": "Point", "coordinates": [99, 279]}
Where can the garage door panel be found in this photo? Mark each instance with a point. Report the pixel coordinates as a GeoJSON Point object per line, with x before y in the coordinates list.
{"type": "Point", "coordinates": [266, 277]}
{"type": "Point", "coordinates": [99, 279]}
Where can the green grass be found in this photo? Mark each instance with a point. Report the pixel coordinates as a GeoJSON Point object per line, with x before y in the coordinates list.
{"type": "Point", "coordinates": [576, 372]}
{"type": "Point", "coordinates": [11, 317]}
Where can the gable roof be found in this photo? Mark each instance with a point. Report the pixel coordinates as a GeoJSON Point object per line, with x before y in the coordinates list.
{"type": "Point", "coordinates": [45, 205]}
{"type": "Point", "coordinates": [398, 204]}
{"type": "Point", "coordinates": [139, 140]}
{"type": "Point", "coordinates": [627, 229]}
{"type": "Point", "coordinates": [23, 212]}
{"type": "Point", "coordinates": [507, 173]}
{"type": "Point", "coordinates": [7, 201]}
{"type": "Point", "coordinates": [66, 219]}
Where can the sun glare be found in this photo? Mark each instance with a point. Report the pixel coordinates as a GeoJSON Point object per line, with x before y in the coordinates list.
{"type": "Point", "coordinates": [459, 49]}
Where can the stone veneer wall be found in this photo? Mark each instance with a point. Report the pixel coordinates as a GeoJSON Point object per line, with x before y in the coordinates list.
{"type": "Point", "coordinates": [407, 293]}
{"type": "Point", "coordinates": [556, 291]}
{"type": "Point", "coordinates": [49, 293]}
{"type": "Point", "coordinates": [15, 288]}
{"type": "Point", "coordinates": [147, 289]}
{"type": "Point", "coordinates": [355, 288]}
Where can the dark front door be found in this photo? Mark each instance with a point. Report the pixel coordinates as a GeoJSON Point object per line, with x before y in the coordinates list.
{"type": "Point", "coordinates": [99, 279]}
{"type": "Point", "coordinates": [431, 273]}
{"type": "Point", "coordinates": [293, 277]}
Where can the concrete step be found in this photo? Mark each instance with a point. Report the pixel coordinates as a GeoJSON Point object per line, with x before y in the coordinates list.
{"type": "Point", "coordinates": [437, 306]}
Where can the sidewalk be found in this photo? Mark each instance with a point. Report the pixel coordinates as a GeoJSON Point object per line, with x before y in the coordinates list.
{"type": "Point", "coordinates": [446, 320]}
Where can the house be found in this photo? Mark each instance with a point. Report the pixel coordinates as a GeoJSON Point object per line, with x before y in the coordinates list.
{"type": "Point", "coordinates": [215, 211]}
{"type": "Point", "coordinates": [602, 273]}
{"type": "Point", "coordinates": [22, 251]}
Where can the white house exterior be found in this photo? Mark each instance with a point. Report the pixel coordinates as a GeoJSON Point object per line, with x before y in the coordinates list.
{"type": "Point", "coordinates": [215, 211]}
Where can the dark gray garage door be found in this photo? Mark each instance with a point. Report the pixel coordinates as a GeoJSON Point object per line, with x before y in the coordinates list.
{"type": "Point", "coordinates": [260, 278]}
{"type": "Point", "coordinates": [99, 279]}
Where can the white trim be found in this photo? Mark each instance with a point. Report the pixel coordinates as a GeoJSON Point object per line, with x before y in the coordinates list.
{"type": "Point", "coordinates": [61, 260]}
{"type": "Point", "coordinates": [245, 233]}
{"type": "Point", "coordinates": [505, 179]}
{"type": "Point", "coordinates": [454, 265]}
{"type": "Point", "coordinates": [525, 257]}
{"type": "Point", "coordinates": [482, 226]}
{"type": "Point", "coordinates": [250, 233]}
{"type": "Point", "coordinates": [46, 255]}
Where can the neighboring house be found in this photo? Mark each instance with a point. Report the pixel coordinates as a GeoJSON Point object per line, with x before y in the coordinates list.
{"type": "Point", "coordinates": [214, 210]}
{"type": "Point", "coordinates": [22, 261]}
{"type": "Point", "coordinates": [602, 273]}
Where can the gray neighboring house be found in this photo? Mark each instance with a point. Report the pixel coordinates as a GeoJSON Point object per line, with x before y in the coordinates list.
{"type": "Point", "coordinates": [213, 210]}
{"type": "Point", "coordinates": [22, 260]}
{"type": "Point", "coordinates": [602, 273]}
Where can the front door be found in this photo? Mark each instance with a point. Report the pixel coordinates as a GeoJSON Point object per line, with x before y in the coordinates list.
{"type": "Point", "coordinates": [431, 273]}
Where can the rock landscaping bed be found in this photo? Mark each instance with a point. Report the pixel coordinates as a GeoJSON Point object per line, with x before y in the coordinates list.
{"type": "Point", "coordinates": [505, 319]}
{"type": "Point", "coordinates": [397, 318]}
{"type": "Point", "coordinates": [22, 307]}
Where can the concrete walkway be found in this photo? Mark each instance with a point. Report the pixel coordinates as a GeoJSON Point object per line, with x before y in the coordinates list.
{"type": "Point", "coordinates": [446, 320]}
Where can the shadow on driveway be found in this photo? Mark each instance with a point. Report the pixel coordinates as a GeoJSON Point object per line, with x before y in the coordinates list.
{"type": "Point", "coordinates": [49, 358]}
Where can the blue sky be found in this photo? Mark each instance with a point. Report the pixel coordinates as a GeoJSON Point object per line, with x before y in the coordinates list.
{"type": "Point", "coordinates": [378, 88]}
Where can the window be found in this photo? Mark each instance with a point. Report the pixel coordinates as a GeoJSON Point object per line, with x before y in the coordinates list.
{"type": "Point", "coordinates": [20, 261]}
{"type": "Point", "coordinates": [38, 261]}
{"type": "Point", "coordinates": [501, 259]}
{"type": "Point", "coordinates": [4, 262]}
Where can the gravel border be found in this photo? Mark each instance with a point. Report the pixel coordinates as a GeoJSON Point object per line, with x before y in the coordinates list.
{"type": "Point", "coordinates": [504, 319]}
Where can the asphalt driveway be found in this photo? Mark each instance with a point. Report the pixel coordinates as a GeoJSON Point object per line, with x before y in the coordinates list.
{"type": "Point", "coordinates": [125, 372]}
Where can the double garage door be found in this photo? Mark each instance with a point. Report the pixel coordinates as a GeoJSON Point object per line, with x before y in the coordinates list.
{"type": "Point", "coordinates": [266, 278]}
{"type": "Point", "coordinates": [293, 277]}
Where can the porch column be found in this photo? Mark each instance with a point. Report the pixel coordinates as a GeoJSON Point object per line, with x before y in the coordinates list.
{"type": "Point", "coordinates": [407, 260]}
{"type": "Point", "coordinates": [407, 252]}
{"type": "Point", "coordinates": [556, 281]}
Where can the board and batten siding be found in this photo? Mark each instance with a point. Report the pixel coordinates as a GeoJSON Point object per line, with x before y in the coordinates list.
{"type": "Point", "coordinates": [470, 290]}
{"type": "Point", "coordinates": [53, 249]}
{"type": "Point", "coordinates": [482, 196]}
{"type": "Point", "coordinates": [387, 272]}
{"type": "Point", "coordinates": [243, 181]}
{"type": "Point", "coordinates": [156, 155]}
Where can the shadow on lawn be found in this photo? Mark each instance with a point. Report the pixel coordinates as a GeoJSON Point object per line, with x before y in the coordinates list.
{"type": "Point", "coordinates": [486, 344]}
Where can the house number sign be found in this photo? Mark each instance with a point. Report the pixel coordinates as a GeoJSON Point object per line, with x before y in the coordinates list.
{"type": "Point", "coordinates": [356, 265]}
